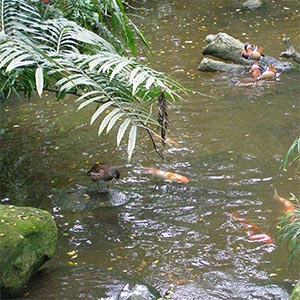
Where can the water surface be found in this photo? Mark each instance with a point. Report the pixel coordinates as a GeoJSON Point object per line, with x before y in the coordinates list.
{"type": "Point", "coordinates": [181, 239]}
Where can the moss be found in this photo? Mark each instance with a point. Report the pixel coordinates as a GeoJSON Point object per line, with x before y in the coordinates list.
{"type": "Point", "coordinates": [296, 292]}
{"type": "Point", "coordinates": [27, 239]}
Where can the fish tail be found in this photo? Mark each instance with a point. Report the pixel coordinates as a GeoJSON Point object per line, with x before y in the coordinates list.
{"type": "Point", "coordinates": [284, 201]}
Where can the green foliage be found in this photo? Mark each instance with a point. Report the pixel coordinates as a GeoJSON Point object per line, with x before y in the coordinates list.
{"type": "Point", "coordinates": [106, 17]}
{"type": "Point", "coordinates": [38, 51]}
{"type": "Point", "coordinates": [289, 231]}
{"type": "Point", "coordinates": [293, 153]}
{"type": "Point", "coordinates": [289, 225]}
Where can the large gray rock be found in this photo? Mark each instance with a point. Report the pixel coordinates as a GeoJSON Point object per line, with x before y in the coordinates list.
{"type": "Point", "coordinates": [229, 49]}
{"type": "Point", "coordinates": [225, 47]}
{"type": "Point", "coordinates": [27, 240]}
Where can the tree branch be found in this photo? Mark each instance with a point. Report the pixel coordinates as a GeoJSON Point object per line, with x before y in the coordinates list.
{"type": "Point", "coordinates": [290, 51]}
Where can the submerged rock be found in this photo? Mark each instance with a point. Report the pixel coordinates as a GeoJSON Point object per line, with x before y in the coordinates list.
{"type": "Point", "coordinates": [90, 199]}
{"type": "Point", "coordinates": [27, 240]}
{"type": "Point", "coordinates": [253, 4]}
{"type": "Point", "coordinates": [90, 282]}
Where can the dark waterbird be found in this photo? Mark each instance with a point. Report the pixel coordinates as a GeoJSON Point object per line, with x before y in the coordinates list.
{"type": "Point", "coordinates": [103, 172]}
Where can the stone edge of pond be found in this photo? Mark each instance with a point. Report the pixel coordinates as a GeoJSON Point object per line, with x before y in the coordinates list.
{"type": "Point", "coordinates": [296, 292]}
{"type": "Point", "coordinates": [28, 238]}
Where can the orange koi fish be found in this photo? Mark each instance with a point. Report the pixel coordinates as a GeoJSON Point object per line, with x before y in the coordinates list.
{"type": "Point", "coordinates": [288, 205]}
{"type": "Point", "coordinates": [256, 234]}
{"type": "Point", "coordinates": [169, 176]}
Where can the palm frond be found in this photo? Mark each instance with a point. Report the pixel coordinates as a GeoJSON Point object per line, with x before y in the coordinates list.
{"type": "Point", "coordinates": [17, 15]}
{"type": "Point", "coordinates": [293, 153]}
{"type": "Point", "coordinates": [107, 17]}
{"type": "Point", "coordinates": [60, 55]}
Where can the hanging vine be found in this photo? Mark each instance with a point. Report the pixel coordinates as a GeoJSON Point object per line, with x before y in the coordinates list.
{"type": "Point", "coordinates": [162, 118]}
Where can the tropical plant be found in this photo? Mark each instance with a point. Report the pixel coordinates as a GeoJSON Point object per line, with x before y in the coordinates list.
{"type": "Point", "coordinates": [38, 52]}
{"type": "Point", "coordinates": [292, 154]}
{"type": "Point", "coordinates": [289, 231]}
{"type": "Point", "coordinates": [289, 225]}
{"type": "Point", "coordinates": [106, 17]}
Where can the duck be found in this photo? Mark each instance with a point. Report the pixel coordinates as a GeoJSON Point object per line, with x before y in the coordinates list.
{"type": "Point", "coordinates": [268, 73]}
{"type": "Point", "coordinates": [252, 52]}
{"type": "Point", "coordinates": [256, 70]}
{"type": "Point", "coordinates": [103, 172]}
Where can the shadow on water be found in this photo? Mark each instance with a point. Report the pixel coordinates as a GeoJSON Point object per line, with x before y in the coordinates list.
{"type": "Point", "coordinates": [88, 199]}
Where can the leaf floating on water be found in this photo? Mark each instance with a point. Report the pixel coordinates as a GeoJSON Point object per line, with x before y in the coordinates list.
{"type": "Point", "coordinates": [22, 217]}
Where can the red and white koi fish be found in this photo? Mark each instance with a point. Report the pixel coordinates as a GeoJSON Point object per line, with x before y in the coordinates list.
{"type": "Point", "coordinates": [255, 233]}
{"type": "Point", "coordinates": [288, 205]}
{"type": "Point", "coordinates": [168, 176]}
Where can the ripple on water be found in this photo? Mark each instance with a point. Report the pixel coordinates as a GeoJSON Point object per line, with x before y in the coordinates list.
{"type": "Point", "coordinates": [218, 285]}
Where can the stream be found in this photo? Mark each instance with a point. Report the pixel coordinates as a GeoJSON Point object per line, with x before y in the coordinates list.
{"type": "Point", "coordinates": [147, 236]}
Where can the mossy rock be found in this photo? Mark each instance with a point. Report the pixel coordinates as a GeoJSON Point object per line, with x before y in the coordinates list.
{"type": "Point", "coordinates": [28, 239]}
{"type": "Point", "coordinates": [296, 292]}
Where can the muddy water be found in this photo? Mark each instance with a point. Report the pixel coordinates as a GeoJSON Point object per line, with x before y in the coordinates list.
{"type": "Point", "coordinates": [181, 239]}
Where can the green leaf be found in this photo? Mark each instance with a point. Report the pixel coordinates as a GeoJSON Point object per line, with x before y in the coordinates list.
{"type": "Point", "coordinates": [39, 80]}
{"type": "Point", "coordinates": [118, 68]}
{"type": "Point", "coordinates": [107, 119]}
{"type": "Point", "coordinates": [149, 82]}
{"type": "Point", "coordinates": [140, 78]}
{"type": "Point", "coordinates": [113, 120]}
{"type": "Point", "coordinates": [22, 60]}
{"type": "Point", "coordinates": [122, 130]}
{"type": "Point", "coordinates": [100, 110]}
{"type": "Point", "coordinates": [131, 141]}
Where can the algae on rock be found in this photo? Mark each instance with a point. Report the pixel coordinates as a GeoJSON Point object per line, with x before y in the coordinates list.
{"type": "Point", "coordinates": [28, 239]}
